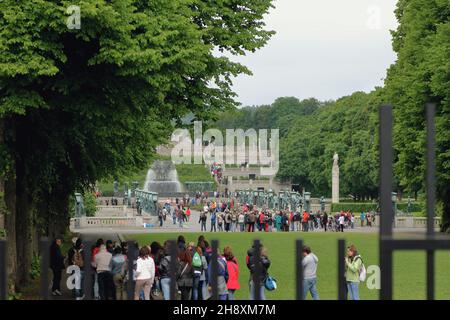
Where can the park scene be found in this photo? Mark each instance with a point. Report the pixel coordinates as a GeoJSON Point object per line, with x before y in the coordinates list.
{"type": "Point", "coordinates": [225, 150]}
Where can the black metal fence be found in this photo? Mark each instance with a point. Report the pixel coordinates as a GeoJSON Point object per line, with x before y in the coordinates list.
{"type": "Point", "coordinates": [387, 243]}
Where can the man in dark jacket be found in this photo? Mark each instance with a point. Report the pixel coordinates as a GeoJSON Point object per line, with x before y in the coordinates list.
{"type": "Point", "coordinates": [57, 265]}
{"type": "Point", "coordinates": [264, 265]}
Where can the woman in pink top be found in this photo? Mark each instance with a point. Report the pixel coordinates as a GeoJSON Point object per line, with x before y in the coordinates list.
{"type": "Point", "coordinates": [233, 272]}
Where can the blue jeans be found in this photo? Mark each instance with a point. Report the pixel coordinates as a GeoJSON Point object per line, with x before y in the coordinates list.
{"type": "Point", "coordinates": [231, 294]}
{"type": "Point", "coordinates": [195, 286]}
{"type": "Point", "coordinates": [353, 290]}
{"type": "Point", "coordinates": [310, 285]}
{"type": "Point", "coordinates": [165, 288]}
{"type": "Point", "coordinates": [261, 290]}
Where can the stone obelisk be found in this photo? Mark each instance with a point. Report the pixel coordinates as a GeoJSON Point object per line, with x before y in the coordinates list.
{"type": "Point", "coordinates": [335, 180]}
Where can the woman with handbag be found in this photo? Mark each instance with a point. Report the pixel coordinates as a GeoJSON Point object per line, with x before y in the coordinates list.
{"type": "Point", "coordinates": [185, 279]}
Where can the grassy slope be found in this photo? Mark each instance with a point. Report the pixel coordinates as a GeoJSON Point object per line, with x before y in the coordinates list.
{"type": "Point", "coordinates": [409, 267]}
{"type": "Point", "coordinates": [193, 173]}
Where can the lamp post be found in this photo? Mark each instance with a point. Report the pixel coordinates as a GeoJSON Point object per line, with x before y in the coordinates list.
{"type": "Point", "coordinates": [322, 204]}
{"type": "Point", "coordinates": [409, 204]}
{"type": "Point", "coordinates": [78, 209]}
{"type": "Point", "coordinates": [394, 204]}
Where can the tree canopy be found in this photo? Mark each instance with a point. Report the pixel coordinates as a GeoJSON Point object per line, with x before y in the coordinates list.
{"type": "Point", "coordinates": [80, 105]}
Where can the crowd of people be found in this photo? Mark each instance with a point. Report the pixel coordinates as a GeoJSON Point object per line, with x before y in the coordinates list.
{"type": "Point", "coordinates": [152, 270]}
{"type": "Point", "coordinates": [225, 216]}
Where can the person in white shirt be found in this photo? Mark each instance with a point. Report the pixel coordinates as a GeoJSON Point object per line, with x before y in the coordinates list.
{"type": "Point", "coordinates": [341, 223]}
{"type": "Point", "coordinates": [145, 273]}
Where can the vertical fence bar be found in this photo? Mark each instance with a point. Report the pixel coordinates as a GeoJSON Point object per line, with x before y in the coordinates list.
{"type": "Point", "coordinates": [386, 214]}
{"type": "Point", "coordinates": [342, 291]}
{"type": "Point", "coordinates": [299, 268]}
{"type": "Point", "coordinates": [44, 247]}
{"type": "Point", "coordinates": [131, 257]}
{"type": "Point", "coordinates": [88, 283]}
{"type": "Point", "coordinates": [431, 194]}
{"type": "Point", "coordinates": [3, 276]}
{"type": "Point", "coordinates": [214, 270]}
{"type": "Point", "coordinates": [257, 272]}
{"type": "Point", "coordinates": [173, 269]}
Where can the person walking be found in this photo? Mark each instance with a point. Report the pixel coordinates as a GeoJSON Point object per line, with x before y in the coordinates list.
{"type": "Point", "coordinates": [353, 264]}
{"type": "Point", "coordinates": [145, 273]}
{"type": "Point", "coordinates": [309, 263]}
{"type": "Point", "coordinates": [264, 264]}
{"type": "Point", "coordinates": [233, 272]}
{"type": "Point", "coordinates": [102, 263]}
{"type": "Point", "coordinates": [118, 271]}
{"type": "Point", "coordinates": [186, 274]}
{"type": "Point", "coordinates": [56, 265]}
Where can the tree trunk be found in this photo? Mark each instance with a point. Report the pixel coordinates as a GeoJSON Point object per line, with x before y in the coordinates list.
{"type": "Point", "coordinates": [10, 226]}
{"type": "Point", "coordinates": [23, 229]}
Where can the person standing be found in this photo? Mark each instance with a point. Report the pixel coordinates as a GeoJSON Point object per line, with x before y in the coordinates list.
{"type": "Point", "coordinates": [199, 265]}
{"type": "Point", "coordinates": [241, 221]}
{"type": "Point", "coordinates": [188, 214]}
{"type": "Point", "coordinates": [145, 273]}
{"type": "Point", "coordinates": [185, 279]}
{"type": "Point", "coordinates": [222, 277]}
{"type": "Point", "coordinates": [164, 271]}
{"type": "Point", "coordinates": [213, 220]}
{"type": "Point", "coordinates": [341, 222]}
{"type": "Point", "coordinates": [102, 263]}
{"type": "Point", "coordinates": [264, 265]}
{"type": "Point", "coordinates": [57, 266]}
{"type": "Point", "coordinates": [353, 264]}
{"type": "Point", "coordinates": [202, 220]}
{"type": "Point", "coordinates": [309, 263]}
{"type": "Point", "coordinates": [118, 271]}
{"type": "Point", "coordinates": [233, 272]}
{"type": "Point", "coordinates": [362, 217]}
{"type": "Point", "coordinates": [325, 221]}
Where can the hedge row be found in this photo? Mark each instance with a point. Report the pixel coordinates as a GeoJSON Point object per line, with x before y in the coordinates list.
{"type": "Point", "coordinates": [368, 206]}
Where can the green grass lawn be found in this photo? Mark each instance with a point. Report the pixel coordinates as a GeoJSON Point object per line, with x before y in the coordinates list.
{"type": "Point", "coordinates": [409, 267]}
{"type": "Point", "coordinates": [193, 173]}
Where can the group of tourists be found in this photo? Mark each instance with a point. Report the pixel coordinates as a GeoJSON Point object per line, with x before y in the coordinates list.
{"type": "Point", "coordinates": [152, 270]}
{"type": "Point", "coordinates": [225, 216]}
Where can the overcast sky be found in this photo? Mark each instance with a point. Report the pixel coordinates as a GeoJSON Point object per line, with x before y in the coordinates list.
{"type": "Point", "coordinates": [323, 48]}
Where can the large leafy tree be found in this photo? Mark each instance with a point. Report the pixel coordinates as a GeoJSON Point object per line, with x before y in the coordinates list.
{"type": "Point", "coordinates": [421, 74]}
{"type": "Point", "coordinates": [80, 105]}
{"type": "Point", "coordinates": [348, 127]}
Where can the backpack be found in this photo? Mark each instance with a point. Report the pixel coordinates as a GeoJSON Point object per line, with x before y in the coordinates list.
{"type": "Point", "coordinates": [362, 271]}
{"type": "Point", "coordinates": [196, 260]}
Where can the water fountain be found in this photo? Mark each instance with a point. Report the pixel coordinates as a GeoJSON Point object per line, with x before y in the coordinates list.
{"type": "Point", "coordinates": [163, 178]}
